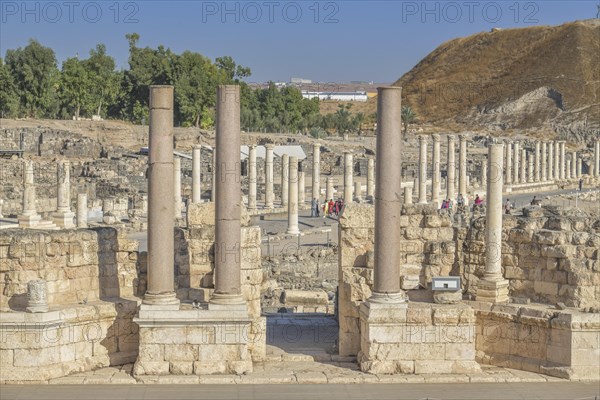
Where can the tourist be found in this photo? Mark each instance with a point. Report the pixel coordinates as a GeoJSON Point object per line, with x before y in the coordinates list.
{"type": "Point", "coordinates": [332, 207]}
{"type": "Point", "coordinates": [325, 209]}
{"type": "Point", "coordinates": [317, 209]}
{"type": "Point", "coordinates": [580, 185]}
{"type": "Point", "coordinates": [507, 207]}
{"type": "Point", "coordinates": [444, 205]}
{"type": "Point", "coordinates": [478, 200]}
{"type": "Point", "coordinates": [534, 201]}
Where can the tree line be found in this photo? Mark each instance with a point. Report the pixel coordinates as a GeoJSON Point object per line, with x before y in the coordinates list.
{"type": "Point", "coordinates": [32, 85]}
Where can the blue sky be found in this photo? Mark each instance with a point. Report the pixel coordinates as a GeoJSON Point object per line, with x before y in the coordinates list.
{"type": "Point", "coordinates": [327, 41]}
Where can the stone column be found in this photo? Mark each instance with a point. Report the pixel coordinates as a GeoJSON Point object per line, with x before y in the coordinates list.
{"type": "Point", "coordinates": [544, 174]}
{"type": "Point", "coordinates": [517, 156]}
{"type": "Point", "coordinates": [1, 205]}
{"type": "Point", "coordinates": [292, 174]}
{"type": "Point", "coordinates": [408, 195]}
{"type": "Point", "coordinates": [29, 216]}
{"type": "Point", "coordinates": [422, 169]}
{"type": "Point", "coordinates": [161, 208]}
{"type": "Point", "coordinates": [574, 165]}
{"type": "Point", "coordinates": [568, 169]}
{"type": "Point", "coordinates": [177, 183]}
{"type": "Point", "coordinates": [435, 176]}
{"type": "Point", "coordinates": [523, 166]}
{"type": "Point", "coordinates": [37, 296]}
{"type": "Point", "coordinates": [228, 202]}
{"type": "Point", "coordinates": [508, 174]}
{"type": "Point", "coordinates": [483, 174]}
{"type": "Point", "coordinates": [579, 167]}
{"type": "Point", "coordinates": [348, 171]}
{"type": "Point", "coordinates": [451, 168]}
{"type": "Point", "coordinates": [196, 177]}
{"type": "Point", "coordinates": [370, 178]}
{"type": "Point", "coordinates": [386, 285]}
{"type": "Point", "coordinates": [252, 177]}
{"type": "Point", "coordinates": [557, 175]}
{"type": "Point", "coordinates": [82, 210]}
{"type": "Point", "coordinates": [537, 162]}
{"type": "Point", "coordinates": [357, 191]}
{"type": "Point", "coordinates": [63, 216]}
{"type": "Point", "coordinates": [213, 189]}
{"type": "Point", "coordinates": [530, 171]}
{"type": "Point", "coordinates": [269, 175]}
{"type": "Point", "coordinates": [462, 161]}
{"type": "Point", "coordinates": [316, 171]}
{"type": "Point", "coordinates": [563, 159]}
{"type": "Point", "coordinates": [493, 287]}
{"type": "Point", "coordinates": [550, 161]}
{"type": "Point", "coordinates": [301, 185]}
{"type": "Point", "coordinates": [285, 169]}
{"type": "Point", "coordinates": [329, 189]}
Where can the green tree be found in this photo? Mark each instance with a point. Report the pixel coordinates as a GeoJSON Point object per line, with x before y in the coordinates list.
{"type": "Point", "coordinates": [9, 101]}
{"type": "Point", "coordinates": [233, 72]}
{"type": "Point", "coordinates": [35, 74]}
{"type": "Point", "coordinates": [103, 79]}
{"type": "Point", "coordinates": [408, 117]}
{"type": "Point", "coordinates": [73, 89]}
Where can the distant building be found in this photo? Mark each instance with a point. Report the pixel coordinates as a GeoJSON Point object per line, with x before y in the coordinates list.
{"type": "Point", "coordinates": [300, 81]}
{"type": "Point", "coordinates": [337, 96]}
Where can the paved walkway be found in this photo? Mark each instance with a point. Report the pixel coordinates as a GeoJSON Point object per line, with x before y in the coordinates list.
{"type": "Point", "coordinates": [434, 391]}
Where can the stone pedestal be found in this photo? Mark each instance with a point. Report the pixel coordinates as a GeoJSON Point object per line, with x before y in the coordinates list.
{"type": "Point", "coordinates": [37, 296]}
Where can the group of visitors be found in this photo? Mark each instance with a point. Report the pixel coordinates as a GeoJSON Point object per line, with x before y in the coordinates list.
{"type": "Point", "coordinates": [461, 203]}
{"type": "Point", "coordinates": [329, 208]}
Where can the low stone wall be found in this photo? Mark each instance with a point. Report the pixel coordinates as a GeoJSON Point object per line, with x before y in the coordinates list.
{"type": "Point", "coordinates": [561, 343]}
{"type": "Point", "coordinates": [72, 339]}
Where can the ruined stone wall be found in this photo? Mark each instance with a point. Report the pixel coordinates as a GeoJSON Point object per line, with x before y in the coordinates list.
{"type": "Point", "coordinates": [548, 255]}
{"type": "Point", "coordinates": [427, 250]}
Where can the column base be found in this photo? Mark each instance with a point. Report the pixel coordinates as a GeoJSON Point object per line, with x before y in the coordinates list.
{"type": "Point", "coordinates": [226, 301]}
{"type": "Point", "coordinates": [37, 308]}
{"type": "Point", "coordinates": [28, 221]}
{"type": "Point", "coordinates": [293, 231]}
{"type": "Point", "coordinates": [64, 219]}
{"type": "Point", "coordinates": [388, 298]}
{"type": "Point", "coordinates": [158, 299]}
{"type": "Point", "coordinates": [492, 291]}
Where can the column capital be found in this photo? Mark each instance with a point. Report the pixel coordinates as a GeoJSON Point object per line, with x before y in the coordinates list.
{"type": "Point", "coordinates": [269, 146]}
{"type": "Point", "coordinates": [422, 138]}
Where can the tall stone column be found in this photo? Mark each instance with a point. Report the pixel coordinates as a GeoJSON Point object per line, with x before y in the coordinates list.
{"type": "Point", "coordinates": [293, 196]}
{"type": "Point", "coordinates": [557, 161]}
{"type": "Point", "coordinates": [316, 171]}
{"type": "Point", "coordinates": [252, 180]}
{"type": "Point", "coordinates": [579, 167]}
{"type": "Point", "coordinates": [348, 177]}
{"type": "Point", "coordinates": [370, 178]}
{"type": "Point", "coordinates": [329, 189]}
{"type": "Point", "coordinates": [523, 166]}
{"type": "Point", "coordinates": [177, 183]}
{"type": "Point", "coordinates": [435, 177]}
{"type": "Point", "coordinates": [29, 216]}
{"type": "Point", "coordinates": [537, 162]}
{"type": "Point", "coordinates": [213, 189]}
{"type": "Point", "coordinates": [517, 156]}
{"type": "Point", "coordinates": [301, 185]}
{"type": "Point", "coordinates": [63, 216]}
{"type": "Point", "coordinates": [161, 207]}
{"type": "Point", "coordinates": [544, 174]}
{"type": "Point", "coordinates": [574, 164]}
{"type": "Point", "coordinates": [483, 178]}
{"type": "Point", "coordinates": [550, 161]}
{"type": "Point", "coordinates": [386, 285]}
{"type": "Point", "coordinates": [422, 169]}
{"type": "Point", "coordinates": [228, 202]}
{"type": "Point", "coordinates": [508, 174]}
{"type": "Point", "coordinates": [285, 169]}
{"type": "Point", "coordinates": [493, 287]}
{"type": "Point", "coordinates": [196, 175]}
{"type": "Point", "coordinates": [269, 175]}
{"type": "Point", "coordinates": [563, 159]}
{"type": "Point", "coordinates": [451, 168]}
{"type": "Point", "coordinates": [82, 211]}
{"type": "Point", "coordinates": [530, 170]}
{"type": "Point", "coordinates": [568, 169]}
{"type": "Point", "coordinates": [462, 161]}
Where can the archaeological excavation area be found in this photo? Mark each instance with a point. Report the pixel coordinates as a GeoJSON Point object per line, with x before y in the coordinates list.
{"type": "Point", "coordinates": [229, 257]}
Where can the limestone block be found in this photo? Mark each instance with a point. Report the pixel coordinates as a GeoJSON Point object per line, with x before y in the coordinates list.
{"type": "Point", "coordinates": [443, 297]}
{"type": "Point", "coordinates": [181, 368]}
{"type": "Point", "coordinates": [181, 352]}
